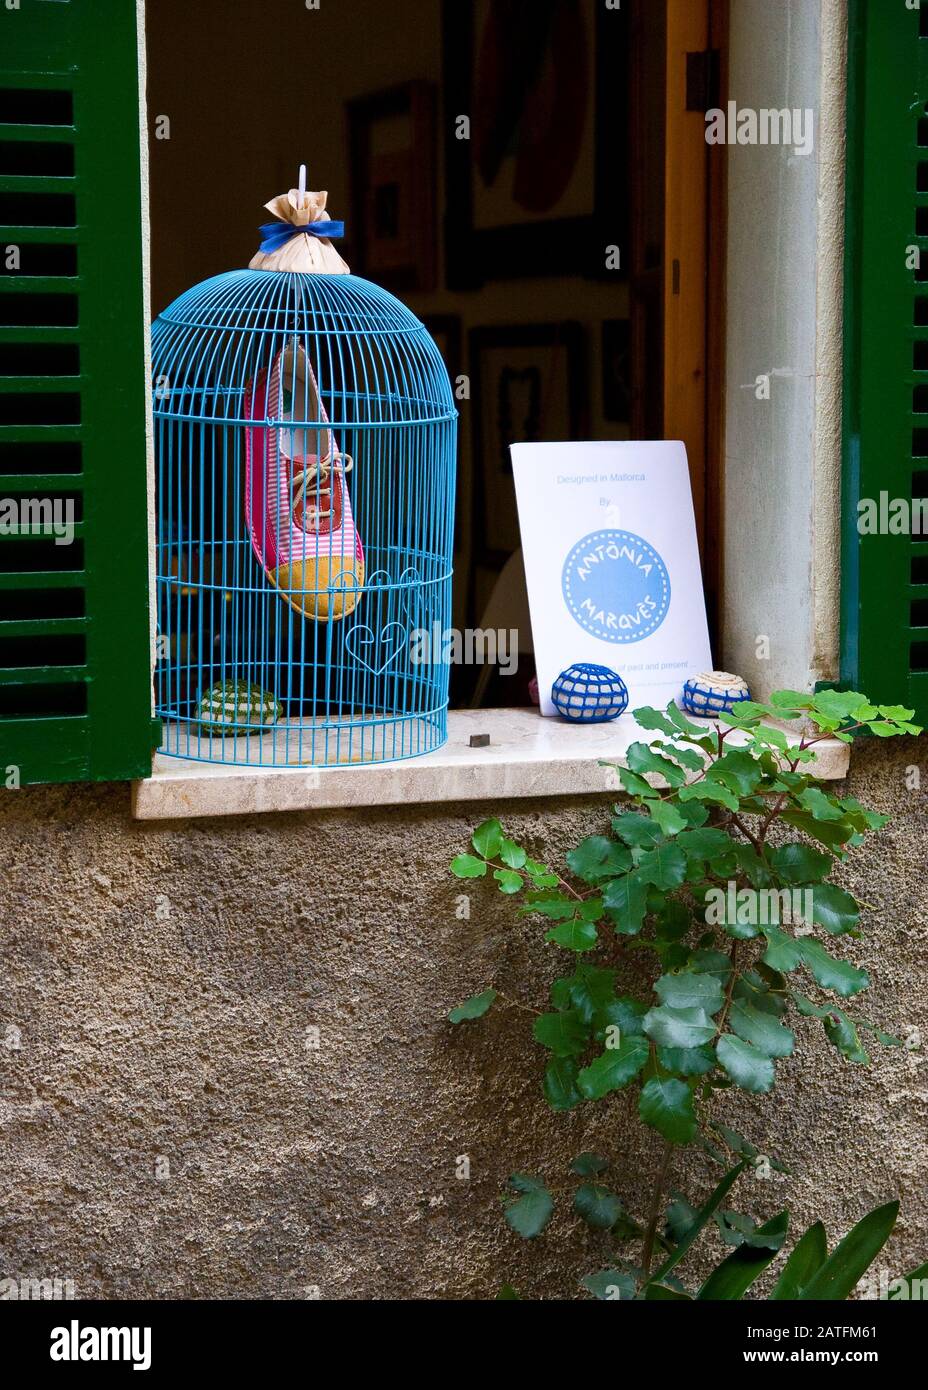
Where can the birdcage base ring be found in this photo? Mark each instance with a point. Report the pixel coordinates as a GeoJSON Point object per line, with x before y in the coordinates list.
{"type": "Point", "coordinates": [309, 742]}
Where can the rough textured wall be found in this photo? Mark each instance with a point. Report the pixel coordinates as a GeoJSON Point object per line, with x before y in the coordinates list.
{"type": "Point", "coordinates": [163, 978]}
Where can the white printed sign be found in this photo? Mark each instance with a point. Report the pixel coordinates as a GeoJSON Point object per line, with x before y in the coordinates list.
{"type": "Point", "coordinates": [612, 564]}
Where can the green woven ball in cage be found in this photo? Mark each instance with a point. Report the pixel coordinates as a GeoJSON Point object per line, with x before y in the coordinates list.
{"type": "Point", "coordinates": [236, 706]}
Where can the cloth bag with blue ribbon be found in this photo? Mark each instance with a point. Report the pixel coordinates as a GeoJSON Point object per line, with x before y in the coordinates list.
{"type": "Point", "coordinates": [301, 240]}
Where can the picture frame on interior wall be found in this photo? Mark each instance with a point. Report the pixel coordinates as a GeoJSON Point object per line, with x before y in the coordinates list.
{"type": "Point", "coordinates": [538, 183]}
{"type": "Point", "coordinates": [528, 384]}
{"type": "Point", "coordinates": [393, 233]}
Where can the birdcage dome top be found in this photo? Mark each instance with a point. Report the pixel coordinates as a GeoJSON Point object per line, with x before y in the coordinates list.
{"type": "Point", "coordinates": [374, 360]}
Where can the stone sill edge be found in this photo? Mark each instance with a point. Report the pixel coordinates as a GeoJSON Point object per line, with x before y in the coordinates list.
{"type": "Point", "coordinates": [528, 756]}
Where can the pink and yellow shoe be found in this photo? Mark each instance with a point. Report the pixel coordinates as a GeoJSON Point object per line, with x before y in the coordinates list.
{"type": "Point", "coordinates": [296, 500]}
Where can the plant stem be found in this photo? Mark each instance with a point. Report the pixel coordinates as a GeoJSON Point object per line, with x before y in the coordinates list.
{"type": "Point", "coordinates": [647, 1249]}
{"type": "Point", "coordinates": [736, 820]}
{"type": "Point", "coordinates": [730, 989]}
{"type": "Point", "coordinates": [517, 1004]}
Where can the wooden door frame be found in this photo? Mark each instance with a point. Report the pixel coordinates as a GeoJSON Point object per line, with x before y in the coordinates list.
{"type": "Point", "coordinates": [677, 299]}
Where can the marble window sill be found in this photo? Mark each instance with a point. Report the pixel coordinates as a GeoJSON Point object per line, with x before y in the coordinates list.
{"type": "Point", "coordinates": [527, 756]}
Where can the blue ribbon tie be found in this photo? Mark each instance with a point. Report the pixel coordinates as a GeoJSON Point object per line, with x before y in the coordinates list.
{"type": "Point", "coordinates": [277, 234]}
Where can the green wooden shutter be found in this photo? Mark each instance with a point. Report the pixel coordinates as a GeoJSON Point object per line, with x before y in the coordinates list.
{"type": "Point", "coordinates": [884, 640]}
{"type": "Point", "coordinates": [75, 688]}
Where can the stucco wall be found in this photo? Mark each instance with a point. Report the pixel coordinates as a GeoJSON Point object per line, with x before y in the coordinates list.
{"type": "Point", "coordinates": [162, 979]}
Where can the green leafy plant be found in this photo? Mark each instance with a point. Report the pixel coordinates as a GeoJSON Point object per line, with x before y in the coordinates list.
{"type": "Point", "coordinates": [713, 885]}
{"type": "Point", "coordinates": [809, 1273]}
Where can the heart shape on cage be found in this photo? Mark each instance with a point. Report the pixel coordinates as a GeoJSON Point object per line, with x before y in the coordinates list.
{"type": "Point", "coordinates": [365, 637]}
{"type": "Point", "coordinates": [407, 595]}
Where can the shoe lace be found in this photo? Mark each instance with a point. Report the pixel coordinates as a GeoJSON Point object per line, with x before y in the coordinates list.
{"type": "Point", "coordinates": [304, 478]}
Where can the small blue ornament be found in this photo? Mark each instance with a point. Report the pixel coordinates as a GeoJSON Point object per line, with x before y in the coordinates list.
{"type": "Point", "coordinates": [589, 694]}
{"type": "Point", "coordinates": [713, 692]}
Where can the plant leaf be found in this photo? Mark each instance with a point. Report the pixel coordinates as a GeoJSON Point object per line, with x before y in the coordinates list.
{"type": "Point", "coordinates": [642, 759]}
{"type": "Point", "coordinates": [588, 1165]}
{"type": "Point", "coordinates": [666, 1104]}
{"type": "Point", "coordinates": [820, 806]}
{"type": "Point", "coordinates": [648, 718]}
{"type": "Point", "coordinates": [686, 757]}
{"type": "Point", "coordinates": [475, 1007]}
{"type": "Point", "coordinates": [599, 1207]}
{"type": "Point", "coordinates": [667, 816]}
{"type": "Point", "coordinates": [706, 843]}
{"type": "Point", "coordinates": [637, 831]}
{"type": "Point", "coordinates": [687, 1061]}
{"type": "Point", "coordinates": [598, 857]}
{"type": "Point", "coordinates": [746, 1065]}
{"type": "Point", "coordinates": [512, 854]}
{"type": "Point", "coordinates": [786, 953]}
{"type": "Point", "coordinates": [611, 1285]}
{"type": "Point", "coordinates": [738, 770]}
{"type": "Point", "coordinates": [834, 909]}
{"type": "Point", "coordinates": [488, 838]}
{"type": "Point", "coordinates": [468, 866]}
{"type": "Point", "coordinates": [664, 866]}
{"type": "Point", "coordinates": [762, 1029]}
{"type": "Point", "coordinates": [574, 936]}
{"type": "Point", "coordinates": [613, 1069]}
{"type": "Point", "coordinates": [838, 975]}
{"type": "Point", "coordinates": [633, 783]}
{"type": "Point", "coordinates": [560, 1084]}
{"type": "Point", "coordinates": [798, 863]}
{"type": "Point", "coordinates": [586, 990]}
{"type": "Point", "coordinates": [564, 1034]}
{"type": "Point", "coordinates": [685, 989]}
{"type": "Point", "coordinates": [734, 1276]}
{"type": "Point", "coordinates": [552, 905]}
{"type": "Point", "coordinates": [709, 791]}
{"type": "Point", "coordinates": [625, 900]}
{"type": "Point", "coordinates": [670, 1027]}
{"type": "Point", "coordinates": [509, 881]}
{"type": "Point", "coordinates": [704, 1215]}
{"type": "Point", "coordinates": [679, 719]}
{"type": "Point", "coordinates": [529, 1214]}
{"type": "Point", "coordinates": [808, 1256]}
{"type": "Point", "coordinates": [852, 1257]}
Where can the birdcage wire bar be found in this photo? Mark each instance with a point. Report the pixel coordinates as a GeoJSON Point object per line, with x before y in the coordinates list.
{"type": "Point", "coordinates": [355, 686]}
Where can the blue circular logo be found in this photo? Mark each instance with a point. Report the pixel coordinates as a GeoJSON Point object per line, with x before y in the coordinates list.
{"type": "Point", "coordinates": [616, 586]}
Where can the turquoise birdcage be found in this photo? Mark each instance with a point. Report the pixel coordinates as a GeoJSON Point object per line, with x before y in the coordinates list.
{"type": "Point", "coordinates": [305, 441]}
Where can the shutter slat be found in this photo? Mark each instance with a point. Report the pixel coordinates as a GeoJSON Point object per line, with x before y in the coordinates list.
{"type": "Point", "coordinates": [36, 183]}
{"type": "Point", "coordinates": [47, 627]}
{"type": "Point", "coordinates": [39, 134]}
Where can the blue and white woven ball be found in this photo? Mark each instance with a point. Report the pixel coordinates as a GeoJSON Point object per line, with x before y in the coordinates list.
{"type": "Point", "coordinates": [713, 692]}
{"type": "Point", "coordinates": [589, 694]}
